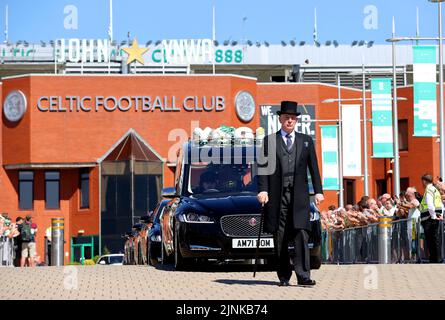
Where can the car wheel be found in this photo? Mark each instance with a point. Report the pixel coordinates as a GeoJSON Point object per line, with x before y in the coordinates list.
{"type": "Point", "coordinates": [137, 258]}
{"type": "Point", "coordinates": [140, 254]}
{"type": "Point", "coordinates": [145, 252]}
{"type": "Point", "coordinates": [152, 261]}
{"type": "Point", "coordinates": [149, 253]}
{"type": "Point", "coordinates": [133, 256]}
{"type": "Point", "coordinates": [181, 263]}
{"type": "Point", "coordinates": [164, 256]}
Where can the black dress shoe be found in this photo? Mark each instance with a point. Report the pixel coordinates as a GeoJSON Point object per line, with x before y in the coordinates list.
{"type": "Point", "coordinates": [307, 283]}
{"type": "Point", "coordinates": [283, 283]}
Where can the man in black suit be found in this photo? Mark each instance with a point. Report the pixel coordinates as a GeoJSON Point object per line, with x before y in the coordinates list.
{"type": "Point", "coordinates": [283, 190]}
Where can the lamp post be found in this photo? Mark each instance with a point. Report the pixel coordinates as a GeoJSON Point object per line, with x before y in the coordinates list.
{"type": "Point", "coordinates": [340, 145]}
{"type": "Point", "coordinates": [396, 171]}
{"type": "Point", "coordinates": [365, 135]}
{"type": "Point", "coordinates": [441, 111]}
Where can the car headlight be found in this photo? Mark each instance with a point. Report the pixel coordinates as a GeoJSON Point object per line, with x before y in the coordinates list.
{"type": "Point", "coordinates": [192, 217]}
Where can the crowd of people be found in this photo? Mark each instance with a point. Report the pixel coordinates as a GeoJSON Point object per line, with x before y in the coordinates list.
{"type": "Point", "coordinates": [427, 209]}
{"type": "Point", "coordinates": [368, 210]}
{"type": "Point", "coordinates": [23, 232]}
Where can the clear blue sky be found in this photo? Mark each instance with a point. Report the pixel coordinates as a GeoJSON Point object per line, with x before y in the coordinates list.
{"type": "Point", "coordinates": [343, 20]}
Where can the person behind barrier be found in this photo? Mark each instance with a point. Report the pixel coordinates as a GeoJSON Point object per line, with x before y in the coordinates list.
{"type": "Point", "coordinates": [327, 221]}
{"type": "Point", "coordinates": [4, 224]}
{"type": "Point", "coordinates": [324, 220]}
{"type": "Point", "coordinates": [388, 210]}
{"type": "Point", "coordinates": [382, 200]}
{"type": "Point", "coordinates": [440, 186]}
{"type": "Point", "coordinates": [360, 216]}
{"type": "Point", "coordinates": [372, 213]}
{"type": "Point", "coordinates": [18, 241]}
{"type": "Point", "coordinates": [412, 203]}
{"type": "Point", "coordinates": [413, 215]}
{"type": "Point", "coordinates": [431, 211]}
{"type": "Point", "coordinates": [353, 217]}
{"type": "Point", "coordinates": [362, 207]}
{"type": "Point", "coordinates": [402, 196]}
{"type": "Point", "coordinates": [28, 231]}
{"type": "Point", "coordinates": [338, 222]}
{"type": "Point", "coordinates": [372, 204]}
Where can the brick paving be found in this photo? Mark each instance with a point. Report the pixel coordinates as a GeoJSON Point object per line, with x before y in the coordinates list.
{"type": "Point", "coordinates": [369, 282]}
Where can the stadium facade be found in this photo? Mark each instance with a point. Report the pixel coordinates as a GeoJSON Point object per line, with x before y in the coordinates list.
{"type": "Point", "coordinates": [95, 142]}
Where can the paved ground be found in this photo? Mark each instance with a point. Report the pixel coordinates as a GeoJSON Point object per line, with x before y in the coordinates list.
{"type": "Point", "coordinates": [229, 283]}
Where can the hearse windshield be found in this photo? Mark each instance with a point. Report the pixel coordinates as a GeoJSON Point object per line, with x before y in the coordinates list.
{"type": "Point", "coordinates": [219, 180]}
{"type": "Point", "coordinates": [222, 171]}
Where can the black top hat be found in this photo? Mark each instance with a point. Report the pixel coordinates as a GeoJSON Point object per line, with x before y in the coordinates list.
{"type": "Point", "coordinates": [288, 107]}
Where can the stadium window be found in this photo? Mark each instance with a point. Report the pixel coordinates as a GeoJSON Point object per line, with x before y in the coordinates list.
{"type": "Point", "coordinates": [403, 135]}
{"type": "Point", "coordinates": [349, 191]}
{"type": "Point", "coordinates": [84, 189]}
{"type": "Point", "coordinates": [404, 184]}
{"type": "Point", "coordinates": [52, 190]}
{"type": "Point", "coordinates": [381, 186]}
{"type": "Point", "coordinates": [26, 190]}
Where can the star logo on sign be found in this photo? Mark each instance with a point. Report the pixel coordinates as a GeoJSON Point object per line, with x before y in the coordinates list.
{"type": "Point", "coordinates": [135, 53]}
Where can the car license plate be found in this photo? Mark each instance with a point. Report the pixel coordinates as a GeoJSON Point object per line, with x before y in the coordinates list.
{"type": "Point", "coordinates": [252, 243]}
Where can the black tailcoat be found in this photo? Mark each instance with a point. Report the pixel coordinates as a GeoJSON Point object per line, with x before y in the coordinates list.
{"type": "Point", "coordinates": [270, 179]}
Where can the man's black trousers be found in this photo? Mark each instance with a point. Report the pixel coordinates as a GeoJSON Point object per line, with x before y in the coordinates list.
{"type": "Point", "coordinates": [288, 235]}
{"type": "Point", "coordinates": [431, 229]}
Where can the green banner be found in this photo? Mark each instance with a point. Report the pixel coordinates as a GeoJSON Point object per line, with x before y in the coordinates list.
{"type": "Point", "coordinates": [382, 130]}
{"type": "Point", "coordinates": [425, 106]}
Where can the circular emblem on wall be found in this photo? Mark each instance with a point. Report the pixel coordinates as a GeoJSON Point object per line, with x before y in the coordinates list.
{"type": "Point", "coordinates": [15, 106]}
{"type": "Point", "coordinates": [245, 106]}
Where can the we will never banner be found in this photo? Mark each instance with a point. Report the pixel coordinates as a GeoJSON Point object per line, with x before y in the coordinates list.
{"type": "Point", "coordinates": [351, 142]}
{"type": "Point", "coordinates": [425, 106]}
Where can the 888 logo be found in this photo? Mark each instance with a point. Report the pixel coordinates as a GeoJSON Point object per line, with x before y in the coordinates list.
{"type": "Point", "coordinates": [228, 56]}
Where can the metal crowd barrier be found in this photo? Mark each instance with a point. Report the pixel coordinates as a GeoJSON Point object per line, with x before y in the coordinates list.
{"type": "Point", "coordinates": [6, 251]}
{"type": "Point", "coordinates": [403, 242]}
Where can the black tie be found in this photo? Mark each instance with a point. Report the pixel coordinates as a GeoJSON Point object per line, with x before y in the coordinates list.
{"type": "Point", "coordinates": [288, 141]}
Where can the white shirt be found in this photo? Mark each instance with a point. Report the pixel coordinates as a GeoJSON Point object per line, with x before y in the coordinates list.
{"type": "Point", "coordinates": [414, 213]}
{"type": "Point", "coordinates": [283, 135]}
{"type": "Point", "coordinates": [388, 213]}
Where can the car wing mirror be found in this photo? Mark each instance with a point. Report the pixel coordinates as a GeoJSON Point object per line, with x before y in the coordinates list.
{"type": "Point", "coordinates": [169, 193]}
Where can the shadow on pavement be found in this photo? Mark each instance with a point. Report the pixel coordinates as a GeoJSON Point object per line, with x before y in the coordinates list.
{"type": "Point", "coordinates": [215, 267]}
{"type": "Point", "coordinates": [246, 282]}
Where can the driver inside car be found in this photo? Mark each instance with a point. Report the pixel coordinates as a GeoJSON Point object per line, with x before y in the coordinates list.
{"type": "Point", "coordinates": [208, 182]}
{"type": "Point", "coordinates": [230, 179]}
